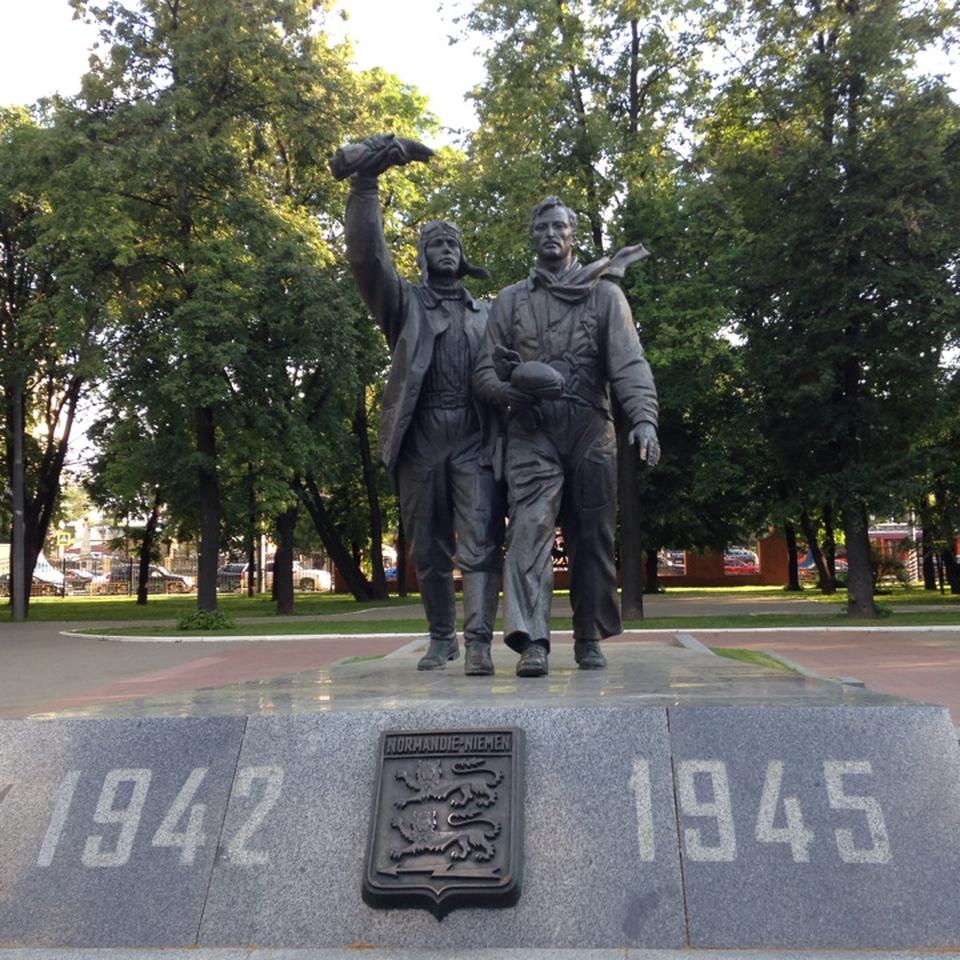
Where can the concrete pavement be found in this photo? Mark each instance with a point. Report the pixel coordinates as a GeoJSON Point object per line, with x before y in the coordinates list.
{"type": "Point", "coordinates": [914, 663]}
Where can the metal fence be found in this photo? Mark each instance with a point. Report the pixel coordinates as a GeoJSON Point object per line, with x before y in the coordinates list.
{"type": "Point", "coordinates": [95, 575]}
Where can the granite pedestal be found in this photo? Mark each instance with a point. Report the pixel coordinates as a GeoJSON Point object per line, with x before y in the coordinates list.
{"type": "Point", "coordinates": [673, 802]}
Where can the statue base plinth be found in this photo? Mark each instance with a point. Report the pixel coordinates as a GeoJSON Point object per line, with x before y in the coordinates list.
{"type": "Point", "coordinates": [673, 802]}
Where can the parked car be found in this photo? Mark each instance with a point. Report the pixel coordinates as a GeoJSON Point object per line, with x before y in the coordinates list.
{"type": "Point", "coordinates": [40, 587]}
{"type": "Point", "coordinates": [232, 576]}
{"type": "Point", "coordinates": [47, 580]}
{"type": "Point", "coordinates": [123, 576]}
{"type": "Point", "coordinates": [78, 580]}
{"type": "Point", "coordinates": [808, 569]}
{"type": "Point", "coordinates": [741, 553]}
{"type": "Point", "coordinates": [737, 566]}
{"type": "Point", "coordinates": [671, 563]}
{"type": "Point", "coordinates": [304, 578]}
{"type": "Point", "coordinates": [172, 582]}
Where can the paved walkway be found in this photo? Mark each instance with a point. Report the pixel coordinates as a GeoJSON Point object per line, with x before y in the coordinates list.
{"type": "Point", "coordinates": [913, 663]}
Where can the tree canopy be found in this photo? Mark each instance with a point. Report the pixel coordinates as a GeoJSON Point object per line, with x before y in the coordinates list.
{"type": "Point", "coordinates": [171, 242]}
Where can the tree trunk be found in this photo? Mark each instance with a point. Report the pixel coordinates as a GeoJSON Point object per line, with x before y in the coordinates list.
{"type": "Point", "coordinates": [634, 86]}
{"type": "Point", "coordinates": [333, 543]}
{"type": "Point", "coordinates": [19, 584]}
{"type": "Point", "coordinates": [793, 566]}
{"type": "Point", "coordinates": [361, 430]}
{"type": "Point", "coordinates": [250, 536]}
{"type": "Point", "coordinates": [209, 511]}
{"type": "Point", "coordinates": [860, 603]}
{"type": "Point", "coordinates": [283, 562]}
{"type": "Point", "coordinates": [830, 544]}
{"type": "Point", "coordinates": [253, 568]}
{"type": "Point", "coordinates": [631, 549]}
{"type": "Point", "coordinates": [826, 583]}
{"type": "Point", "coordinates": [652, 579]}
{"type": "Point", "coordinates": [38, 509]}
{"type": "Point", "coordinates": [929, 566]}
{"type": "Point", "coordinates": [927, 547]}
{"type": "Point", "coordinates": [952, 570]}
{"type": "Point", "coordinates": [146, 547]}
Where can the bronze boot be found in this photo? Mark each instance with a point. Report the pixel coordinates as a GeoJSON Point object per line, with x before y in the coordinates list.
{"type": "Point", "coordinates": [533, 661]}
{"type": "Point", "coordinates": [439, 653]}
{"type": "Point", "coordinates": [477, 661]}
{"type": "Point", "coordinates": [439, 604]}
{"type": "Point", "coordinates": [481, 594]}
{"type": "Point", "coordinates": [588, 656]}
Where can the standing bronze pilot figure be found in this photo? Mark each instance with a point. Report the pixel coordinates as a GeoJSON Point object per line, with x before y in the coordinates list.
{"type": "Point", "coordinates": [556, 343]}
{"type": "Point", "coordinates": [434, 434]}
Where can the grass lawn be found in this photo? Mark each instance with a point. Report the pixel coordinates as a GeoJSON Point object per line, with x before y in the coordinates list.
{"type": "Point", "coordinates": [311, 607]}
{"type": "Point", "coordinates": [756, 657]}
{"type": "Point", "coordinates": [891, 595]}
{"type": "Point", "coordinates": [419, 625]}
{"type": "Point", "coordinates": [741, 593]}
{"type": "Point", "coordinates": [173, 607]}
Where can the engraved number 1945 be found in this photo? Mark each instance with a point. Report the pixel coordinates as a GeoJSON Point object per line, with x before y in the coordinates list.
{"type": "Point", "coordinates": [703, 794]}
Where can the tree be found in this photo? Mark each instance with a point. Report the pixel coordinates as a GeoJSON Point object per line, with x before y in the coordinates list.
{"type": "Point", "coordinates": [709, 488]}
{"type": "Point", "coordinates": [213, 163]}
{"type": "Point", "coordinates": [936, 493]}
{"type": "Point", "coordinates": [57, 288]}
{"type": "Point", "coordinates": [168, 122]}
{"type": "Point", "coordinates": [580, 100]}
{"type": "Point", "coordinates": [840, 176]}
{"type": "Point", "coordinates": [140, 470]}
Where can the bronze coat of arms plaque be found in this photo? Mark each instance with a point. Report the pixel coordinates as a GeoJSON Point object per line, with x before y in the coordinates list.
{"type": "Point", "coordinates": [446, 828]}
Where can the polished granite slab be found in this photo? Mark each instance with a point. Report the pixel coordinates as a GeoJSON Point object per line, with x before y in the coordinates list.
{"type": "Point", "coordinates": [639, 674]}
{"type": "Point", "coordinates": [817, 827]}
{"type": "Point", "coordinates": [587, 880]}
{"type": "Point", "coordinates": [105, 827]}
{"type": "Point", "coordinates": [521, 953]}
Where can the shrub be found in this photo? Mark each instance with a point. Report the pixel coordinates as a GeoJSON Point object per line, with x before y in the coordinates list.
{"type": "Point", "coordinates": [205, 620]}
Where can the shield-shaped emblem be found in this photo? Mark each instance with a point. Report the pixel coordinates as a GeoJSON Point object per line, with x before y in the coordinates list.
{"type": "Point", "coordinates": [447, 819]}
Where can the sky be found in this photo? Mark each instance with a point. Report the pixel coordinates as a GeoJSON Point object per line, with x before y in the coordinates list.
{"type": "Point", "coordinates": [44, 51]}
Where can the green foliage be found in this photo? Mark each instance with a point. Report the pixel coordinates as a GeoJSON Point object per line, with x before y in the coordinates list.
{"type": "Point", "coordinates": [582, 100]}
{"type": "Point", "coordinates": [174, 234]}
{"type": "Point", "coordinates": [56, 304]}
{"type": "Point", "coordinates": [840, 171]}
{"type": "Point", "coordinates": [587, 101]}
{"type": "Point", "coordinates": [704, 492]}
{"type": "Point", "coordinates": [227, 237]}
{"type": "Point", "coordinates": [206, 620]}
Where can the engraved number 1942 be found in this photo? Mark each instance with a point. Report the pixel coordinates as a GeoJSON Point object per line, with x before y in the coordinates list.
{"type": "Point", "coordinates": [121, 804]}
